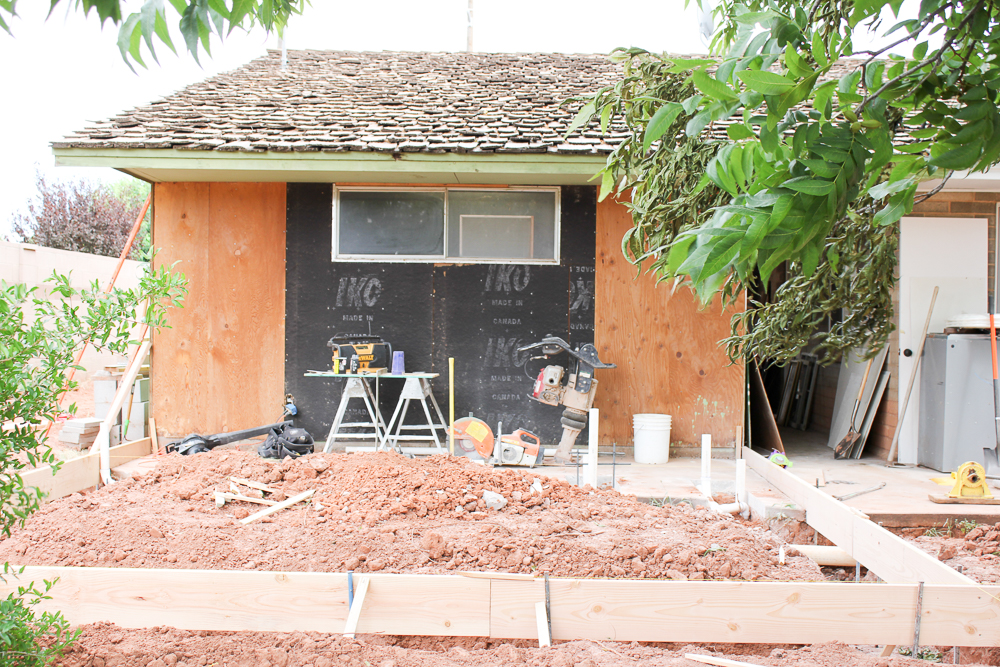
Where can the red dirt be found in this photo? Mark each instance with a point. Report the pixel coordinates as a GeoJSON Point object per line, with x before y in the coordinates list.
{"type": "Point", "coordinates": [106, 645]}
{"type": "Point", "coordinates": [383, 512]}
{"type": "Point", "coordinates": [976, 553]}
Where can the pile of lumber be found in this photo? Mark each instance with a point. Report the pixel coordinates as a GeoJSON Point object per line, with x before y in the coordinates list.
{"type": "Point", "coordinates": [80, 433]}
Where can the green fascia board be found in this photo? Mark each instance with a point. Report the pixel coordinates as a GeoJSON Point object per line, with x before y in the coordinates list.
{"type": "Point", "coordinates": [152, 160]}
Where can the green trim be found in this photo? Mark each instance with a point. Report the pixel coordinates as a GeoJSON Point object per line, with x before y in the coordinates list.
{"type": "Point", "coordinates": [356, 163]}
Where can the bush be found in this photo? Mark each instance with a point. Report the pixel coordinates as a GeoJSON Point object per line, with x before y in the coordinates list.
{"type": "Point", "coordinates": [39, 338]}
{"type": "Point", "coordinates": [86, 217]}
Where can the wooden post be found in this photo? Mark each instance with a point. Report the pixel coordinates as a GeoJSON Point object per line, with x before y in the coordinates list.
{"type": "Point", "coordinates": [590, 470]}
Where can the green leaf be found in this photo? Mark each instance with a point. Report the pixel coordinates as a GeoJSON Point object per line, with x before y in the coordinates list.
{"type": "Point", "coordinates": [962, 157]}
{"type": "Point", "coordinates": [711, 87]}
{"type": "Point", "coordinates": [698, 123]}
{"type": "Point", "coordinates": [607, 184]}
{"type": "Point", "coordinates": [739, 131]}
{"type": "Point", "coordinates": [582, 117]}
{"type": "Point", "coordinates": [767, 83]}
{"type": "Point", "coordinates": [809, 185]}
{"type": "Point", "coordinates": [819, 50]}
{"type": "Point", "coordinates": [889, 188]}
{"type": "Point", "coordinates": [683, 65]}
{"type": "Point", "coordinates": [660, 123]}
{"type": "Point", "coordinates": [892, 212]}
{"type": "Point", "coordinates": [241, 8]}
{"type": "Point", "coordinates": [753, 18]}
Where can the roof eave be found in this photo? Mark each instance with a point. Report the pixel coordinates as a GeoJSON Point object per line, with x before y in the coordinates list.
{"type": "Point", "coordinates": [174, 165]}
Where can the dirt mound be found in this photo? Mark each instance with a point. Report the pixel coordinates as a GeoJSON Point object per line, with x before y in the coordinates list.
{"type": "Point", "coordinates": [106, 645]}
{"type": "Point", "coordinates": [384, 512]}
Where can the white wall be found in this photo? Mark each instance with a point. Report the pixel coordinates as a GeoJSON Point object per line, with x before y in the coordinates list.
{"type": "Point", "coordinates": [31, 264]}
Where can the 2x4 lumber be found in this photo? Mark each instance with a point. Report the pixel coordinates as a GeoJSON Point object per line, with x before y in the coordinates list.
{"type": "Point", "coordinates": [263, 601]}
{"type": "Point", "coordinates": [278, 507]}
{"type": "Point", "coordinates": [890, 557]}
{"type": "Point", "coordinates": [83, 472]}
{"type": "Point", "coordinates": [629, 610]}
{"type": "Point", "coordinates": [354, 613]}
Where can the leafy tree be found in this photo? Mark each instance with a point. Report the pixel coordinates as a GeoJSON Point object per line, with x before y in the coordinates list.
{"type": "Point", "coordinates": [782, 150]}
{"type": "Point", "coordinates": [197, 21]}
{"type": "Point", "coordinates": [86, 217]}
{"type": "Point", "coordinates": [39, 336]}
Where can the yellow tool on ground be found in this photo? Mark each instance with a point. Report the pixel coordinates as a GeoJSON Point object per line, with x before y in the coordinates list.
{"type": "Point", "coordinates": [970, 487]}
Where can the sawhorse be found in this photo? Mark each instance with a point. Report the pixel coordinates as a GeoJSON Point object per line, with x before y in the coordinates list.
{"type": "Point", "coordinates": [357, 387]}
{"type": "Point", "coordinates": [415, 389]}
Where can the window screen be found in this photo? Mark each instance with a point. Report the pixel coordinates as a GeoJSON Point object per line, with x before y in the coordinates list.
{"type": "Point", "coordinates": [391, 223]}
{"type": "Point", "coordinates": [501, 225]}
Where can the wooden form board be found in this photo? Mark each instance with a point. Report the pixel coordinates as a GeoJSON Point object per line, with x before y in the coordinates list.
{"type": "Point", "coordinates": [666, 347]}
{"type": "Point", "coordinates": [220, 367]}
{"type": "Point", "coordinates": [619, 610]}
{"type": "Point", "coordinates": [83, 472]}
{"type": "Point", "coordinates": [889, 556]}
{"type": "Point", "coordinates": [265, 601]}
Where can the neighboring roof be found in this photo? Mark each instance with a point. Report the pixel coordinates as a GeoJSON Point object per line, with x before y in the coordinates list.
{"type": "Point", "coordinates": [386, 102]}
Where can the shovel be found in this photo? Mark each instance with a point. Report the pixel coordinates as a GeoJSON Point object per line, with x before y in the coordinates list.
{"type": "Point", "coordinates": [990, 453]}
{"type": "Point", "coordinates": [844, 447]}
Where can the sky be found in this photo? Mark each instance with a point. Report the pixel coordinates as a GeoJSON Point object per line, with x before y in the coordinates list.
{"type": "Point", "coordinates": [64, 72]}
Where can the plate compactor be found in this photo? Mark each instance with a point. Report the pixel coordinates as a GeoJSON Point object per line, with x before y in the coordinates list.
{"type": "Point", "coordinates": [520, 448]}
{"type": "Point", "coordinates": [573, 387]}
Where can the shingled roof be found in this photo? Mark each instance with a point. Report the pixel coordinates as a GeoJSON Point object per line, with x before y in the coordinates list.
{"type": "Point", "coordinates": [386, 102]}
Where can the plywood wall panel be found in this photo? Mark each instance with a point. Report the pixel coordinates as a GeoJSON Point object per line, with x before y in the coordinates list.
{"type": "Point", "coordinates": [180, 353]}
{"type": "Point", "coordinates": [221, 365]}
{"type": "Point", "coordinates": [247, 333]}
{"type": "Point", "coordinates": [666, 348]}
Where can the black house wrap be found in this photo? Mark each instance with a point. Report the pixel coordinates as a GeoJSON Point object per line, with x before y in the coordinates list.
{"type": "Point", "coordinates": [477, 313]}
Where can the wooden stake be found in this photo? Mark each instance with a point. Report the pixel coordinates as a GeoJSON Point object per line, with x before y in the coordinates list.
{"type": "Point", "coordinates": [253, 485]}
{"type": "Point", "coordinates": [277, 508]}
{"type": "Point", "coordinates": [542, 620]}
{"type": "Point", "coordinates": [721, 662]}
{"type": "Point", "coordinates": [152, 436]}
{"type": "Point", "coordinates": [354, 615]}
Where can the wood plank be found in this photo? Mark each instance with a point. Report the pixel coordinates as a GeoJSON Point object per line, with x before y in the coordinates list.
{"type": "Point", "coordinates": [708, 611]}
{"type": "Point", "coordinates": [83, 472]}
{"type": "Point", "coordinates": [890, 557]}
{"type": "Point", "coordinates": [179, 359]}
{"type": "Point", "coordinates": [751, 612]}
{"type": "Point", "coordinates": [264, 601]}
{"type": "Point", "coordinates": [246, 333]}
{"type": "Point", "coordinates": [829, 516]}
{"type": "Point", "coordinates": [666, 347]}
{"type": "Point", "coordinates": [619, 610]}
{"type": "Point", "coordinates": [895, 560]}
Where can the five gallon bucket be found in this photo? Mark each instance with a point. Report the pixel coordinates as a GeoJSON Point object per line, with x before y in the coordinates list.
{"type": "Point", "coordinates": [652, 438]}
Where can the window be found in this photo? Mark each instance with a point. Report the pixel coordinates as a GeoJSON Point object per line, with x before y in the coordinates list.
{"type": "Point", "coordinates": [447, 224]}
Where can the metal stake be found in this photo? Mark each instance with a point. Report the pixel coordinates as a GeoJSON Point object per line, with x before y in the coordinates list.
{"type": "Point", "coordinates": [916, 624]}
{"type": "Point", "coordinates": [548, 606]}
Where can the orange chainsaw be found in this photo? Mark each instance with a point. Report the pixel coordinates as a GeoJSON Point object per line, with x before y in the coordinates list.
{"type": "Point", "coordinates": [520, 448]}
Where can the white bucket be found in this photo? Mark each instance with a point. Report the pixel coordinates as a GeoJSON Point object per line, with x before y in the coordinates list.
{"type": "Point", "coordinates": [652, 438]}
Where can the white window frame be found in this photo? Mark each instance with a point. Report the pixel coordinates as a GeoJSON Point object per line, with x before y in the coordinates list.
{"type": "Point", "coordinates": [442, 259]}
